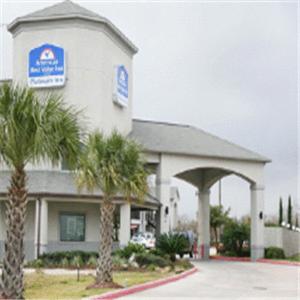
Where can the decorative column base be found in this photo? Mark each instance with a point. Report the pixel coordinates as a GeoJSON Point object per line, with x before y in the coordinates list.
{"type": "Point", "coordinates": [257, 252]}
{"type": "Point", "coordinates": [204, 252]}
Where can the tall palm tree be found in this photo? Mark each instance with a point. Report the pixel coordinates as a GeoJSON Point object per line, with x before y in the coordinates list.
{"type": "Point", "coordinates": [32, 130]}
{"type": "Point", "coordinates": [114, 165]}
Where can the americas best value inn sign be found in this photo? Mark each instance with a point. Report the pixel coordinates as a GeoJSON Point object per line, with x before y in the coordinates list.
{"type": "Point", "coordinates": [46, 66]}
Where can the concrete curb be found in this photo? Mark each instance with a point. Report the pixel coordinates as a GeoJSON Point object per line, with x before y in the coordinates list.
{"type": "Point", "coordinates": [262, 260]}
{"type": "Point", "coordinates": [143, 287]}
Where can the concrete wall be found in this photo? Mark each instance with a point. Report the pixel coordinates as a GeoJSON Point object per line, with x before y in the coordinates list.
{"type": "Point", "coordinates": [91, 54]}
{"type": "Point", "coordinates": [286, 239]}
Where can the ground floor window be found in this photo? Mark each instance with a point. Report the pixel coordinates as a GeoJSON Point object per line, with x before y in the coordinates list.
{"type": "Point", "coordinates": [72, 227]}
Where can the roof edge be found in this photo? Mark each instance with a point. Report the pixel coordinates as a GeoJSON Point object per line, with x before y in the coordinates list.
{"type": "Point", "coordinates": [11, 27]}
{"type": "Point", "coordinates": [260, 159]}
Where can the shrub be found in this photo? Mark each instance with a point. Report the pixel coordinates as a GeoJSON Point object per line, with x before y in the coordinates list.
{"type": "Point", "coordinates": [129, 250]}
{"type": "Point", "coordinates": [147, 259]}
{"type": "Point", "coordinates": [172, 244]}
{"type": "Point", "coordinates": [65, 263]}
{"type": "Point", "coordinates": [65, 258]}
{"type": "Point", "coordinates": [234, 237]}
{"type": "Point", "coordinates": [118, 262]}
{"type": "Point", "coordinates": [92, 262]}
{"type": "Point", "coordinates": [77, 262]}
{"type": "Point", "coordinates": [184, 263]}
{"type": "Point", "coordinates": [274, 253]}
{"type": "Point", "coordinates": [37, 263]}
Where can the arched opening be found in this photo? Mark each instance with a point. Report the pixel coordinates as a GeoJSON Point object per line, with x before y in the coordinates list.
{"type": "Point", "coordinates": [205, 181]}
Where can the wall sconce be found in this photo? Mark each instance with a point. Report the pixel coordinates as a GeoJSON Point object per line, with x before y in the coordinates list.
{"type": "Point", "coordinates": [261, 215]}
{"type": "Point", "coordinates": [166, 210]}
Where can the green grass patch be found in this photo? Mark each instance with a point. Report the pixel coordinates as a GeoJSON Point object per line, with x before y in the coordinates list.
{"type": "Point", "coordinates": [294, 258]}
{"type": "Point", "coordinates": [41, 286]}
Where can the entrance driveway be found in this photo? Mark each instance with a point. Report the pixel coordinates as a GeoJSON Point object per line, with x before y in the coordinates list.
{"type": "Point", "coordinates": [231, 280]}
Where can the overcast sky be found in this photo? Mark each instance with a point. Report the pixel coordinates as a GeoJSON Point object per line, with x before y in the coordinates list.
{"type": "Point", "coordinates": [228, 68]}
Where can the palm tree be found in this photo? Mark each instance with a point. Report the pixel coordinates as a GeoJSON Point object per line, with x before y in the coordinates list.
{"type": "Point", "coordinates": [31, 131]}
{"type": "Point", "coordinates": [218, 218]}
{"type": "Point", "coordinates": [114, 165]}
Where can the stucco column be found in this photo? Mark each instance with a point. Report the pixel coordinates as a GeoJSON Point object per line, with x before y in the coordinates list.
{"type": "Point", "coordinates": [125, 216]}
{"type": "Point", "coordinates": [43, 226]}
{"type": "Point", "coordinates": [163, 194]}
{"type": "Point", "coordinates": [203, 223]}
{"type": "Point", "coordinates": [37, 228]}
{"type": "Point", "coordinates": [257, 221]}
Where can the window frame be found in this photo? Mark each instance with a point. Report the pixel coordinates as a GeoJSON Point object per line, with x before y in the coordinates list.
{"type": "Point", "coordinates": [68, 213]}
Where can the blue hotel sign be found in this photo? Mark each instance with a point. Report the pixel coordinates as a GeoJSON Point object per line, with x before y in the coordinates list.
{"type": "Point", "coordinates": [121, 86]}
{"type": "Point", "coordinates": [46, 66]}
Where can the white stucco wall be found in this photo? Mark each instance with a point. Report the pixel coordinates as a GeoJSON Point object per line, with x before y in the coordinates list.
{"type": "Point", "coordinates": [283, 238]}
{"type": "Point", "coordinates": [91, 54]}
{"type": "Point", "coordinates": [90, 210]}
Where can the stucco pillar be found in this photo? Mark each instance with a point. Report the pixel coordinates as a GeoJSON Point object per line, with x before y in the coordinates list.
{"type": "Point", "coordinates": [257, 221]}
{"type": "Point", "coordinates": [163, 194]}
{"type": "Point", "coordinates": [124, 235]}
{"type": "Point", "coordinates": [43, 226]}
{"type": "Point", "coordinates": [37, 228]}
{"type": "Point", "coordinates": [203, 223]}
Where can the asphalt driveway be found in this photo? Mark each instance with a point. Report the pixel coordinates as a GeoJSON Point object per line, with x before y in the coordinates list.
{"type": "Point", "coordinates": [231, 280]}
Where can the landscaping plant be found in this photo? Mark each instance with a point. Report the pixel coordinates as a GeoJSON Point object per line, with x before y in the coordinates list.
{"type": "Point", "coordinates": [235, 235]}
{"type": "Point", "coordinates": [280, 220]}
{"type": "Point", "coordinates": [130, 249]}
{"type": "Point", "coordinates": [274, 253]}
{"type": "Point", "coordinates": [32, 130]}
{"type": "Point", "coordinates": [218, 218]}
{"type": "Point", "coordinates": [172, 244]}
{"type": "Point", "coordinates": [114, 165]}
{"type": "Point", "coordinates": [289, 213]}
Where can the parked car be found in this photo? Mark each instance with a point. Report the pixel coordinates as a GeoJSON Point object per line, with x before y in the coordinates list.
{"type": "Point", "coordinates": [190, 237]}
{"type": "Point", "coordinates": [145, 239]}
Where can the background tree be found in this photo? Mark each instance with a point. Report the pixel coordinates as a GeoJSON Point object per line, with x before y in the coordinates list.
{"type": "Point", "coordinates": [289, 213]}
{"type": "Point", "coordinates": [296, 221]}
{"type": "Point", "coordinates": [186, 224]}
{"type": "Point", "coordinates": [218, 218]}
{"type": "Point", "coordinates": [31, 131]}
{"type": "Point", "coordinates": [235, 237]}
{"type": "Point", "coordinates": [114, 165]}
{"type": "Point", "coordinates": [280, 220]}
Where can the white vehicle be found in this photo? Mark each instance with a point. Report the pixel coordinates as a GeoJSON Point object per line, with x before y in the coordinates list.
{"type": "Point", "coordinates": [145, 239]}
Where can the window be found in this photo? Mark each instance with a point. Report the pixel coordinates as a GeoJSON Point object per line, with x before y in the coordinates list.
{"type": "Point", "coordinates": [72, 227]}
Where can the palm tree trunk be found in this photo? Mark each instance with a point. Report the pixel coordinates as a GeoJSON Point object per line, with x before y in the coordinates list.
{"type": "Point", "coordinates": [104, 265]}
{"type": "Point", "coordinates": [12, 285]}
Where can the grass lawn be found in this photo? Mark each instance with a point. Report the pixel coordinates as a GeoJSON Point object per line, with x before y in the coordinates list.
{"type": "Point", "coordinates": [42, 286]}
{"type": "Point", "coordinates": [294, 258]}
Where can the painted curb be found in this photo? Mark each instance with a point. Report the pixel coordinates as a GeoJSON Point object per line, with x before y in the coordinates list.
{"type": "Point", "coordinates": [143, 287]}
{"type": "Point", "coordinates": [279, 262]}
{"type": "Point", "coordinates": [262, 260]}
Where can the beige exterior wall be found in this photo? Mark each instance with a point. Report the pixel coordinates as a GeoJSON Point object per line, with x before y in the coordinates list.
{"type": "Point", "coordinates": [91, 54]}
{"type": "Point", "coordinates": [90, 210]}
{"type": "Point", "coordinates": [286, 239]}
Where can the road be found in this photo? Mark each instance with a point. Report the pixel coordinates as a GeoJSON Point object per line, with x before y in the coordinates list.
{"type": "Point", "coordinates": [231, 280]}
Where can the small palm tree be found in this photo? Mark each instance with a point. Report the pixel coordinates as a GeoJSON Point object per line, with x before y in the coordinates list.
{"type": "Point", "coordinates": [31, 131]}
{"type": "Point", "coordinates": [114, 165]}
{"type": "Point", "coordinates": [172, 244]}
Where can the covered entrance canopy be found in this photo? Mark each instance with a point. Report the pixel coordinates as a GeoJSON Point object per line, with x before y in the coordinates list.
{"type": "Point", "coordinates": [188, 153]}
